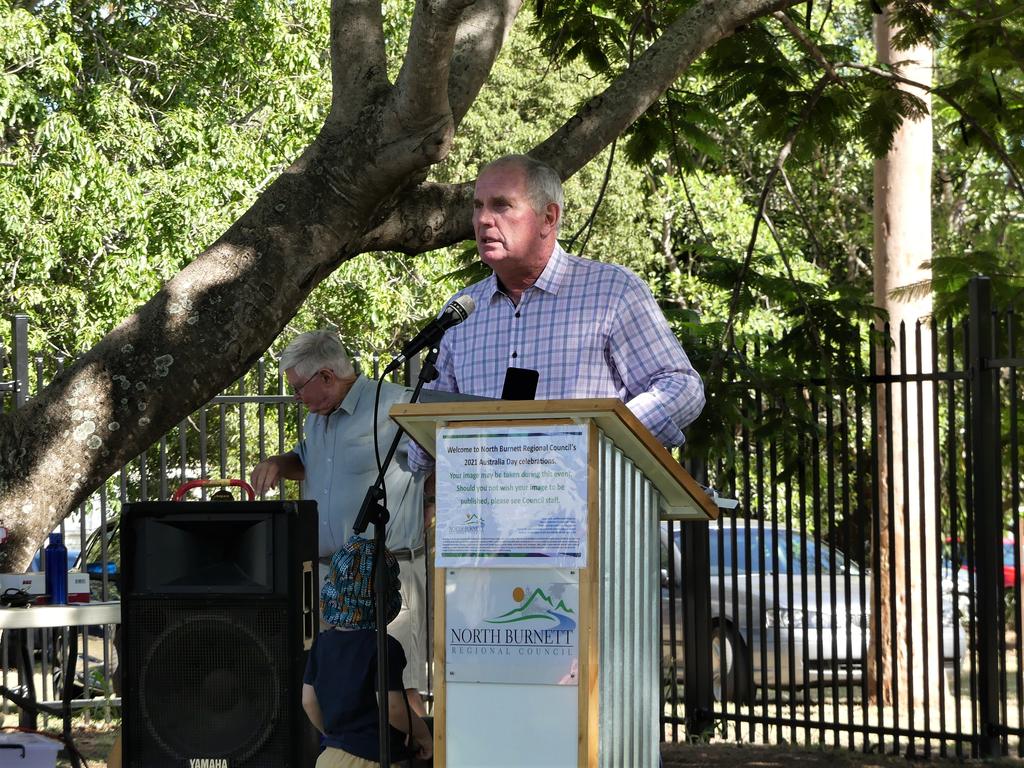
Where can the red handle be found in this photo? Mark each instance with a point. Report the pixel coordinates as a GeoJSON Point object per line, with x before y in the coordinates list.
{"type": "Point", "coordinates": [186, 487]}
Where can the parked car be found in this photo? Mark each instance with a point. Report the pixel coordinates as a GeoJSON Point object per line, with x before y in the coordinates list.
{"type": "Point", "coordinates": [965, 573]}
{"type": "Point", "coordinates": [786, 610]}
{"type": "Point", "coordinates": [104, 586]}
{"type": "Point", "coordinates": [1010, 575]}
{"type": "Point", "coordinates": [104, 569]}
{"type": "Point", "coordinates": [37, 560]}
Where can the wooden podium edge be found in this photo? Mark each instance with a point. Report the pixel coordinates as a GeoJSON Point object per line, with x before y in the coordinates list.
{"type": "Point", "coordinates": [683, 497]}
{"type": "Point", "coordinates": [440, 710]}
{"type": "Point", "coordinates": [590, 620]}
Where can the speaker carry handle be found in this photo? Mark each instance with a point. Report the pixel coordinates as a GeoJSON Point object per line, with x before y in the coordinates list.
{"type": "Point", "coordinates": [310, 617]}
{"type": "Point", "coordinates": [184, 488]}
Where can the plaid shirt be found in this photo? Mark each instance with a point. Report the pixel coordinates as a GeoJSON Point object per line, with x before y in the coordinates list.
{"type": "Point", "coordinates": [591, 330]}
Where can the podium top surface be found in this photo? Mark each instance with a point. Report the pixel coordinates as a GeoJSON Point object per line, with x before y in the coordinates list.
{"type": "Point", "coordinates": [682, 496]}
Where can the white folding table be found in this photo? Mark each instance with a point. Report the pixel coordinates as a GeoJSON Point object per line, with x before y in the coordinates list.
{"type": "Point", "coordinates": [53, 616]}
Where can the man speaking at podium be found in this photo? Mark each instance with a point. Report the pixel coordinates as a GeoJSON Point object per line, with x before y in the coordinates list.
{"type": "Point", "coordinates": [589, 329]}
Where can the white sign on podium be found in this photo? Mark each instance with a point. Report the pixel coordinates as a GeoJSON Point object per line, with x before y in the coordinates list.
{"type": "Point", "coordinates": [514, 497]}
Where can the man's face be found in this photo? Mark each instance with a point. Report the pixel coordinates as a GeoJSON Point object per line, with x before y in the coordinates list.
{"type": "Point", "coordinates": [510, 234]}
{"type": "Point", "coordinates": [321, 393]}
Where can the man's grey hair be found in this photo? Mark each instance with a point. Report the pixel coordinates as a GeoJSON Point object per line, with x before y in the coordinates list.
{"type": "Point", "coordinates": [315, 350]}
{"type": "Point", "coordinates": [543, 184]}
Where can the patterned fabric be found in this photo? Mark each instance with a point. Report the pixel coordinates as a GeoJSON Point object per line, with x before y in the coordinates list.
{"type": "Point", "coordinates": [591, 330]}
{"type": "Point", "coordinates": [347, 599]}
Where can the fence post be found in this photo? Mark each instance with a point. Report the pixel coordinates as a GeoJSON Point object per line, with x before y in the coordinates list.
{"type": "Point", "coordinates": [985, 442]}
{"type": "Point", "coordinates": [19, 364]}
{"type": "Point", "coordinates": [696, 590]}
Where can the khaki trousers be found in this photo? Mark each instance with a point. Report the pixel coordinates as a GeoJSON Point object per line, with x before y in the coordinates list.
{"type": "Point", "coordinates": [339, 758]}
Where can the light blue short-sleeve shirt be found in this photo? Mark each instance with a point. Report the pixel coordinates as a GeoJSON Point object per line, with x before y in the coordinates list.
{"type": "Point", "coordinates": [338, 457]}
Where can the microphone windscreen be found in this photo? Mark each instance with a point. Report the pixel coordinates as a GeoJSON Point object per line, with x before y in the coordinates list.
{"type": "Point", "coordinates": [463, 305]}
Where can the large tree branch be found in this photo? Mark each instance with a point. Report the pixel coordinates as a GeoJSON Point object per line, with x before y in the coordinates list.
{"type": "Point", "coordinates": [207, 324]}
{"type": "Point", "coordinates": [417, 117]}
{"type": "Point", "coordinates": [425, 218]}
{"type": "Point", "coordinates": [608, 114]}
{"type": "Point", "coordinates": [413, 224]}
{"type": "Point", "coordinates": [204, 328]}
{"type": "Point", "coordinates": [483, 30]}
{"type": "Point", "coordinates": [431, 46]}
{"type": "Point", "coordinates": [359, 73]}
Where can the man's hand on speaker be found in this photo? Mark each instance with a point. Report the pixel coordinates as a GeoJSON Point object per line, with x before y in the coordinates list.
{"type": "Point", "coordinates": [270, 472]}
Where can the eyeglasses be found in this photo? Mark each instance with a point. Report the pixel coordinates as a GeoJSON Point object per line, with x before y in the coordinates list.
{"type": "Point", "coordinates": [297, 392]}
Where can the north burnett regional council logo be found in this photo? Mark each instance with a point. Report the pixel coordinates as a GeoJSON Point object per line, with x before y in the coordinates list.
{"type": "Point", "coordinates": [473, 520]}
{"type": "Point", "coordinates": [539, 606]}
{"type": "Point", "coordinates": [539, 628]}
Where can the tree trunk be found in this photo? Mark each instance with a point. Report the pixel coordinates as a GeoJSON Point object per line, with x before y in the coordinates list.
{"type": "Point", "coordinates": [908, 619]}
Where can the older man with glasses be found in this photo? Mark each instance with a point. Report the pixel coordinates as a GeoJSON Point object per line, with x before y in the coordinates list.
{"type": "Point", "coordinates": [336, 464]}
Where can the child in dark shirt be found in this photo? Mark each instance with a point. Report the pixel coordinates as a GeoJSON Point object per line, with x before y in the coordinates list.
{"type": "Point", "coordinates": [340, 692]}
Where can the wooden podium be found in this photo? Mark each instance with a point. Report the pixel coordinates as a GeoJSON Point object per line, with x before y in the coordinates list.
{"type": "Point", "coordinates": [547, 580]}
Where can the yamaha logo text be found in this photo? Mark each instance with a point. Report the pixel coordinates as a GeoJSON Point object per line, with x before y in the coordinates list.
{"type": "Point", "coordinates": [207, 762]}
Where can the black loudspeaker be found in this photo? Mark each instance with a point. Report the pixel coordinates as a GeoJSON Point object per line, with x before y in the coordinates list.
{"type": "Point", "coordinates": [218, 609]}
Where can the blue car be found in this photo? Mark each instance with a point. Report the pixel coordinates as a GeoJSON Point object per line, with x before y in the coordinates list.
{"type": "Point", "coordinates": [37, 560]}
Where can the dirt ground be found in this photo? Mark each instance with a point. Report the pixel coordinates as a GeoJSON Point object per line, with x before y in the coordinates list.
{"type": "Point", "coordinates": [675, 755]}
{"type": "Point", "coordinates": [95, 743]}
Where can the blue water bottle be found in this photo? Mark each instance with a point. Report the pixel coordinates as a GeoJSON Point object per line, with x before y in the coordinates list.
{"type": "Point", "coordinates": [57, 570]}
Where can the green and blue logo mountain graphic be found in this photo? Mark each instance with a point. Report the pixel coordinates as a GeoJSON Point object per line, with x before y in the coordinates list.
{"type": "Point", "coordinates": [473, 520]}
{"type": "Point", "coordinates": [539, 606]}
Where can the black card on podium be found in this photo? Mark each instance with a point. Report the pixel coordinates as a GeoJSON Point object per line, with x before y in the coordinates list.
{"type": "Point", "coordinates": [520, 384]}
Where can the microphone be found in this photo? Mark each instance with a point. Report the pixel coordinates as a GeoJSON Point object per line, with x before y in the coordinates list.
{"type": "Point", "coordinates": [457, 310]}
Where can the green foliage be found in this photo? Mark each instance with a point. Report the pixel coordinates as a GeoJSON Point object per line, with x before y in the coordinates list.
{"type": "Point", "coordinates": [916, 21]}
{"type": "Point", "coordinates": [133, 136]}
{"type": "Point", "coordinates": [682, 125]}
{"type": "Point", "coordinates": [886, 109]}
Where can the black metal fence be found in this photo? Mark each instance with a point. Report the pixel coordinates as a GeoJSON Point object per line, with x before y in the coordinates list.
{"type": "Point", "coordinates": [256, 417]}
{"type": "Point", "coordinates": [866, 591]}
{"type": "Point", "coordinates": [793, 617]}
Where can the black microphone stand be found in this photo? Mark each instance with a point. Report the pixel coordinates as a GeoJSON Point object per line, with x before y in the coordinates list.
{"type": "Point", "coordinates": [373, 510]}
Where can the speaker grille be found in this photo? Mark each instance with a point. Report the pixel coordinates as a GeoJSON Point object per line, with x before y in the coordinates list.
{"type": "Point", "coordinates": [211, 682]}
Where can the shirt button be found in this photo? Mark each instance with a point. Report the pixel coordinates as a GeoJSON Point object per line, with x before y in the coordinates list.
{"type": "Point", "coordinates": [517, 314]}
{"type": "Point", "coordinates": [515, 355]}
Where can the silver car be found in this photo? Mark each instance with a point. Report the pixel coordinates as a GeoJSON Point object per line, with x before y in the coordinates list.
{"type": "Point", "coordinates": [786, 611]}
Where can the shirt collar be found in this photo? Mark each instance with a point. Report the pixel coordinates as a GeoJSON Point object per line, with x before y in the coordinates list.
{"type": "Point", "coordinates": [551, 279]}
{"type": "Point", "coordinates": [351, 400]}
{"type": "Point", "coordinates": [555, 271]}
